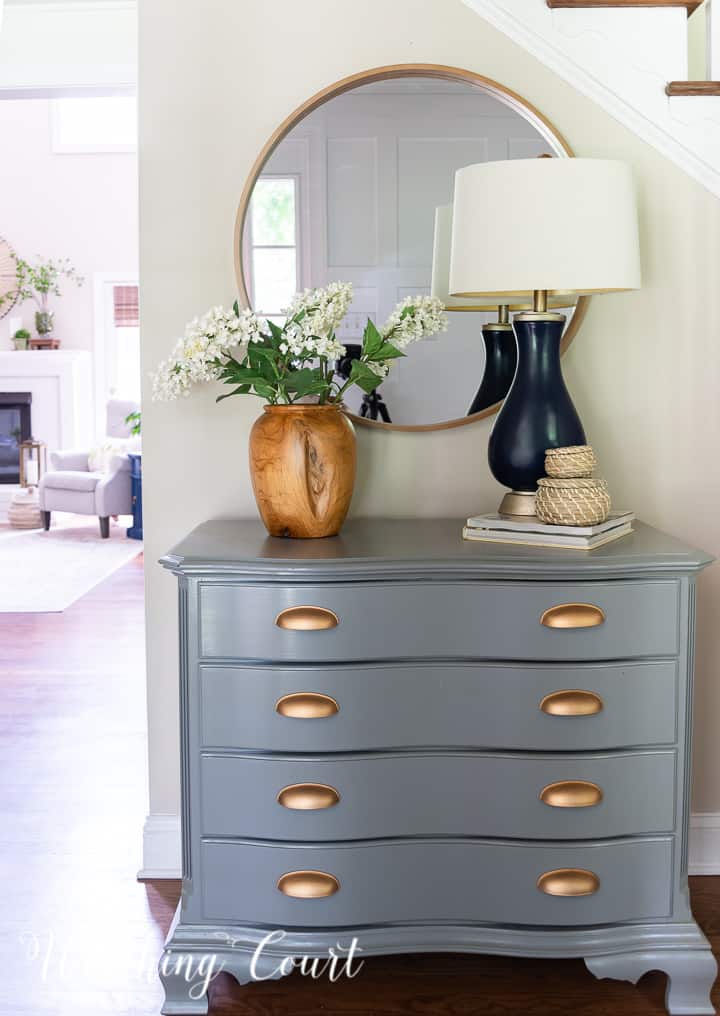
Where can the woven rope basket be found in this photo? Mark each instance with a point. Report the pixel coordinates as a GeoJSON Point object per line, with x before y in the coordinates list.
{"type": "Point", "coordinates": [572, 461]}
{"type": "Point", "coordinates": [572, 502]}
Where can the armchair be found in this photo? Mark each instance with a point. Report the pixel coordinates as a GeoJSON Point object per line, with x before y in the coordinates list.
{"type": "Point", "coordinates": [72, 486]}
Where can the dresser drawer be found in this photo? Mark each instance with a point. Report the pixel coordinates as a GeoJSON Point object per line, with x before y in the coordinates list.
{"type": "Point", "coordinates": [353, 798]}
{"type": "Point", "coordinates": [436, 880]}
{"type": "Point", "coordinates": [420, 705]}
{"type": "Point", "coordinates": [374, 621]}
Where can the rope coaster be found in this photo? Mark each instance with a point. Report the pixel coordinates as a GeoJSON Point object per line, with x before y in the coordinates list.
{"type": "Point", "coordinates": [572, 461]}
{"type": "Point", "coordinates": [572, 502]}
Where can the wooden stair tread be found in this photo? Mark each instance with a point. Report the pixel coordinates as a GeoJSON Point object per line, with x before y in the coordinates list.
{"type": "Point", "coordinates": [690, 5]}
{"type": "Point", "coordinates": [692, 88]}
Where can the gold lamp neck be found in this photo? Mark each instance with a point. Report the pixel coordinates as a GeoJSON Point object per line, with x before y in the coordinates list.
{"type": "Point", "coordinates": [539, 310]}
{"type": "Point", "coordinates": [503, 314]}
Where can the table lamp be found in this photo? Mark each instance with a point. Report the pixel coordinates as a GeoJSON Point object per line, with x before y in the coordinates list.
{"type": "Point", "coordinates": [498, 337]}
{"type": "Point", "coordinates": [540, 226]}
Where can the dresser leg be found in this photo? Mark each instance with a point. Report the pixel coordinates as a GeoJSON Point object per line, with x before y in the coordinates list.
{"type": "Point", "coordinates": [185, 978]}
{"type": "Point", "coordinates": [690, 973]}
{"type": "Point", "coordinates": [187, 974]}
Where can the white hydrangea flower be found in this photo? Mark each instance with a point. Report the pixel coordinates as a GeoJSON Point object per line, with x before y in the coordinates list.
{"type": "Point", "coordinates": [424, 315]}
{"type": "Point", "coordinates": [324, 309]}
{"type": "Point", "coordinates": [381, 369]}
{"type": "Point", "coordinates": [207, 340]}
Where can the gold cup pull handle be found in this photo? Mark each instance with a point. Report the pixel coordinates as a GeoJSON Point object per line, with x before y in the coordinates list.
{"type": "Point", "coordinates": [306, 705]}
{"type": "Point", "coordinates": [571, 702]}
{"type": "Point", "coordinates": [571, 794]}
{"type": "Point", "coordinates": [307, 618]}
{"type": "Point", "coordinates": [308, 796]}
{"type": "Point", "coordinates": [569, 882]}
{"type": "Point", "coordinates": [573, 615]}
{"type": "Point", "coordinates": [308, 885]}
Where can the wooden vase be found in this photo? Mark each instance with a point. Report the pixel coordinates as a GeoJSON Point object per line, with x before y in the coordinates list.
{"type": "Point", "coordinates": [302, 466]}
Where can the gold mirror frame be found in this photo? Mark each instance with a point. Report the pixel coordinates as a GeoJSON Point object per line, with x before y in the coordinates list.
{"type": "Point", "coordinates": [413, 70]}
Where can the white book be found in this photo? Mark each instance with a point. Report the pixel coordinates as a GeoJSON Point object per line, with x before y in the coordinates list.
{"type": "Point", "coordinates": [502, 523]}
{"type": "Point", "coordinates": [555, 541]}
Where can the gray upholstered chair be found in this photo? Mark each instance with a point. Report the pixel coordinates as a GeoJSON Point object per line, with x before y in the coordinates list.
{"type": "Point", "coordinates": [71, 486]}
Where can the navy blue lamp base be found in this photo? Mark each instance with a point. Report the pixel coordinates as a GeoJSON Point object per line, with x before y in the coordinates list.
{"type": "Point", "coordinates": [538, 412]}
{"type": "Point", "coordinates": [500, 363]}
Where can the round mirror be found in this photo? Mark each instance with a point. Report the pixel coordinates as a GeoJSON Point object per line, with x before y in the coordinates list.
{"type": "Point", "coordinates": [354, 187]}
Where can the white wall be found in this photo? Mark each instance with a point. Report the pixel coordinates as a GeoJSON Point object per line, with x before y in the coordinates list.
{"type": "Point", "coordinates": [644, 369]}
{"type": "Point", "coordinates": [80, 206]}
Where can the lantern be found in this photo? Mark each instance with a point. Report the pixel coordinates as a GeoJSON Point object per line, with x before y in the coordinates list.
{"type": "Point", "coordinates": [33, 459]}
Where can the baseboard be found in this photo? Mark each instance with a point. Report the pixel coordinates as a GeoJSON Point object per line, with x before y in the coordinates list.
{"type": "Point", "coordinates": [705, 843]}
{"type": "Point", "coordinates": [162, 858]}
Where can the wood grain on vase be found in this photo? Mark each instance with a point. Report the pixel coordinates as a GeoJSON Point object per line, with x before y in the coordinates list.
{"type": "Point", "coordinates": [302, 466]}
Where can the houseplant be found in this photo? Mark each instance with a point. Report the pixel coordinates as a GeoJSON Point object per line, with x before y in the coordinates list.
{"type": "Point", "coordinates": [134, 422]}
{"type": "Point", "coordinates": [37, 282]}
{"type": "Point", "coordinates": [302, 448]}
{"type": "Point", "coordinates": [21, 338]}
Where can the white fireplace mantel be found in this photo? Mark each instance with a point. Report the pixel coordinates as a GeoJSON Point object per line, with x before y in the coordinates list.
{"type": "Point", "coordinates": [60, 381]}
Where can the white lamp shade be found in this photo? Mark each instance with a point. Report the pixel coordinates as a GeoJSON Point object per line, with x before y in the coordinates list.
{"type": "Point", "coordinates": [440, 284]}
{"type": "Point", "coordinates": [553, 224]}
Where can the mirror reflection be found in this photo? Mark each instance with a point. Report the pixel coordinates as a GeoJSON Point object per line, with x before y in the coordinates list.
{"type": "Point", "coordinates": [351, 192]}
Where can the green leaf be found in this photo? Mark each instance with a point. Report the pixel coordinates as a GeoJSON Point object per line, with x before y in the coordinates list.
{"type": "Point", "coordinates": [265, 391]}
{"type": "Point", "coordinates": [372, 340]}
{"type": "Point", "coordinates": [262, 352]}
{"type": "Point", "coordinates": [387, 352]}
{"type": "Point", "coordinates": [236, 308]}
{"type": "Point", "coordinates": [235, 372]}
{"type": "Point", "coordinates": [361, 375]}
{"type": "Point", "coordinates": [262, 362]}
{"type": "Point", "coordinates": [275, 330]}
{"type": "Point", "coordinates": [240, 390]}
{"type": "Point", "coordinates": [306, 381]}
{"type": "Point", "coordinates": [242, 375]}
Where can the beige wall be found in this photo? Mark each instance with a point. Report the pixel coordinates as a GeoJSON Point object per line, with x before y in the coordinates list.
{"type": "Point", "coordinates": [643, 370]}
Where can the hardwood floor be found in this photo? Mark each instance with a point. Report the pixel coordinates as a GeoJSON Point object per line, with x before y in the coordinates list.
{"type": "Point", "coordinates": [80, 937]}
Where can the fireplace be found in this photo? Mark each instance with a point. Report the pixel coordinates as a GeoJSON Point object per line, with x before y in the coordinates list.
{"type": "Point", "coordinates": [14, 428]}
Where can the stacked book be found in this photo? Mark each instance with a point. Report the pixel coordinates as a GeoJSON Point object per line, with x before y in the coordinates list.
{"type": "Point", "coordinates": [531, 532]}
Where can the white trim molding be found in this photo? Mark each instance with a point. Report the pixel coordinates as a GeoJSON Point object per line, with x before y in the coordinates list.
{"type": "Point", "coordinates": [70, 47]}
{"type": "Point", "coordinates": [622, 59]}
{"type": "Point", "coordinates": [705, 843]}
{"type": "Point", "coordinates": [162, 852]}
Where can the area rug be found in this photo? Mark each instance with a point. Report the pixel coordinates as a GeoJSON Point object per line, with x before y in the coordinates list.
{"type": "Point", "coordinates": [46, 572]}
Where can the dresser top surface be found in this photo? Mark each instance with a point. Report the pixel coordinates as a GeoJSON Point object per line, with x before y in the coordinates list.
{"type": "Point", "coordinates": [387, 546]}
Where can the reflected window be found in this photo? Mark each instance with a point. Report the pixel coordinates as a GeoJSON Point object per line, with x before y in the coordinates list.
{"type": "Point", "coordinates": [273, 241]}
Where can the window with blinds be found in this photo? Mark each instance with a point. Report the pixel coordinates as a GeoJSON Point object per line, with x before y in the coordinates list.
{"type": "Point", "coordinates": [126, 312]}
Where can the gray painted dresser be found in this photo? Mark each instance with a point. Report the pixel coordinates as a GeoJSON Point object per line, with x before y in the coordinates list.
{"type": "Point", "coordinates": [432, 745]}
